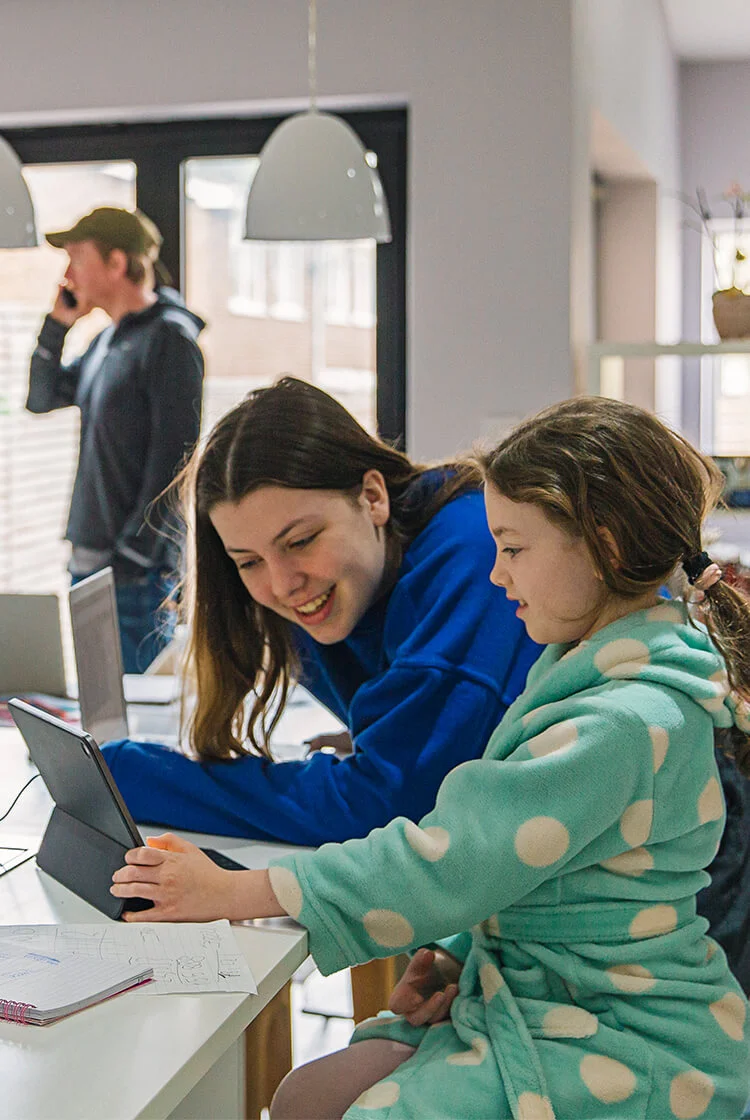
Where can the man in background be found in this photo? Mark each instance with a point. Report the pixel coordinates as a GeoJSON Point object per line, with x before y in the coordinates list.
{"type": "Point", "coordinates": [139, 390]}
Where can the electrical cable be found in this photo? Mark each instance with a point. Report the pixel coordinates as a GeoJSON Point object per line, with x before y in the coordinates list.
{"type": "Point", "coordinates": [15, 799]}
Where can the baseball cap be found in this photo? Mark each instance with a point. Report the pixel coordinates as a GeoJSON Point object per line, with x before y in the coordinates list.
{"type": "Point", "coordinates": [129, 230]}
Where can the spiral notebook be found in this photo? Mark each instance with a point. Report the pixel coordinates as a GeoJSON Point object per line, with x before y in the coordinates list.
{"type": "Point", "coordinates": [39, 989]}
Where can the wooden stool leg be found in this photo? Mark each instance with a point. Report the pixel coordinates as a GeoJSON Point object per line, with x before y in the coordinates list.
{"type": "Point", "coordinates": [268, 1052]}
{"type": "Point", "coordinates": [372, 984]}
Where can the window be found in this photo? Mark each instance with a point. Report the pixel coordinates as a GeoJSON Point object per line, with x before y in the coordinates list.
{"type": "Point", "coordinates": [191, 178]}
{"type": "Point", "coordinates": [38, 453]}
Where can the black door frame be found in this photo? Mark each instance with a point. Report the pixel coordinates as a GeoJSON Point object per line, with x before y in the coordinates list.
{"type": "Point", "coordinates": [158, 148]}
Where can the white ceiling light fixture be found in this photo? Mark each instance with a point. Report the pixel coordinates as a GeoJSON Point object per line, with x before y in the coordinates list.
{"type": "Point", "coordinates": [17, 223]}
{"type": "Point", "coordinates": [315, 181]}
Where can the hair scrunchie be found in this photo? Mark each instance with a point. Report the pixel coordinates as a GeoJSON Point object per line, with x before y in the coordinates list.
{"type": "Point", "coordinates": [701, 571]}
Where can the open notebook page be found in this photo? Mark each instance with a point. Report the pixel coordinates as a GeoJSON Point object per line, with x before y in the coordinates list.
{"type": "Point", "coordinates": [38, 988]}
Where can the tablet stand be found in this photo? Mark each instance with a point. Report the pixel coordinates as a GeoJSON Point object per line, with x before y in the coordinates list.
{"type": "Point", "coordinates": [84, 860]}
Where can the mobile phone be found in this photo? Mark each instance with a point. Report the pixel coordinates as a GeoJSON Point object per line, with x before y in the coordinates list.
{"type": "Point", "coordinates": [224, 861]}
{"type": "Point", "coordinates": [68, 298]}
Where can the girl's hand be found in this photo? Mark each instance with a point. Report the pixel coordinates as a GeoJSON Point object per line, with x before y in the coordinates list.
{"type": "Point", "coordinates": [333, 742]}
{"type": "Point", "coordinates": [424, 994]}
{"type": "Point", "coordinates": [186, 886]}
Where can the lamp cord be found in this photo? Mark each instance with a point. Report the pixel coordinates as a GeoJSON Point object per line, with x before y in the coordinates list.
{"type": "Point", "coordinates": [7, 811]}
{"type": "Point", "coordinates": [312, 39]}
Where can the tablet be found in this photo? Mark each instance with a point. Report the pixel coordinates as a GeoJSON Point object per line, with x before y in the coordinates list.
{"type": "Point", "coordinates": [90, 828]}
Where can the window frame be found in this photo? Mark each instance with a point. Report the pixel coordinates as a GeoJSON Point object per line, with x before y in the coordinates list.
{"type": "Point", "coordinates": [159, 148]}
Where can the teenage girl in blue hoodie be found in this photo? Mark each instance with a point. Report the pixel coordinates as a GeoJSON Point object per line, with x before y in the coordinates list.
{"type": "Point", "coordinates": [318, 553]}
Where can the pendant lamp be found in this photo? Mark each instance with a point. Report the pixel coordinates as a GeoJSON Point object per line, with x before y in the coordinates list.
{"type": "Point", "coordinates": [17, 224]}
{"type": "Point", "coordinates": [315, 181]}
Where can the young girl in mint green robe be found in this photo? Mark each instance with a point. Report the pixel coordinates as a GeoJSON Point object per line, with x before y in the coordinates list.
{"type": "Point", "coordinates": [573, 851]}
{"type": "Point", "coordinates": [559, 870]}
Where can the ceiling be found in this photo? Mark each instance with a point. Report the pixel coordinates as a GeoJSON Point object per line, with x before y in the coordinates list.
{"type": "Point", "coordinates": [709, 30]}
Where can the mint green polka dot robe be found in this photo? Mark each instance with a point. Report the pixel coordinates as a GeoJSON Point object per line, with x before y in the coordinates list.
{"type": "Point", "coordinates": [563, 865]}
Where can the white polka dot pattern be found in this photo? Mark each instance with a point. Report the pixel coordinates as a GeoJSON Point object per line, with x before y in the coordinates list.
{"type": "Point", "coordinates": [666, 612]}
{"type": "Point", "coordinates": [526, 720]}
{"type": "Point", "coordinates": [636, 821]}
{"type": "Point", "coordinates": [624, 657]}
{"type": "Point", "coordinates": [473, 1057]}
{"type": "Point", "coordinates": [430, 843]}
{"type": "Point", "coordinates": [382, 1095]}
{"type": "Point", "coordinates": [710, 802]}
{"type": "Point", "coordinates": [491, 926]}
{"type": "Point", "coordinates": [558, 737]}
{"type": "Point", "coordinates": [660, 743]}
{"type": "Point", "coordinates": [533, 1107]}
{"type": "Point", "coordinates": [569, 1022]}
{"type": "Point", "coordinates": [285, 886]}
{"type": "Point", "coordinates": [491, 981]}
{"type": "Point", "coordinates": [729, 1012]}
{"type": "Point", "coordinates": [721, 688]}
{"type": "Point", "coordinates": [631, 978]}
{"type": "Point", "coordinates": [608, 1080]}
{"type": "Point", "coordinates": [654, 920]}
{"type": "Point", "coordinates": [690, 1094]}
{"type": "Point", "coordinates": [386, 927]}
{"type": "Point", "coordinates": [541, 841]}
{"type": "Point", "coordinates": [635, 862]}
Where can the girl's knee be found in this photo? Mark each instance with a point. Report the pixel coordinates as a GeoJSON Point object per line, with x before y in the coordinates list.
{"type": "Point", "coordinates": [324, 1089]}
{"type": "Point", "coordinates": [288, 1098]}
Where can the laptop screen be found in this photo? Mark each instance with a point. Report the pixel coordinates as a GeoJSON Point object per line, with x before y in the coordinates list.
{"type": "Point", "coordinates": [31, 650]}
{"type": "Point", "coordinates": [96, 641]}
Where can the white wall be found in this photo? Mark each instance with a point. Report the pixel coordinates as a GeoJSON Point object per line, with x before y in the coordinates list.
{"type": "Point", "coordinates": [635, 87]}
{"type": "Point", "coordinates": [494, 176]}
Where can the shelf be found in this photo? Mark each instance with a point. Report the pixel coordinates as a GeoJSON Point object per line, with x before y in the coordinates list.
{"type": "Point", "coordinates": [599, 350]}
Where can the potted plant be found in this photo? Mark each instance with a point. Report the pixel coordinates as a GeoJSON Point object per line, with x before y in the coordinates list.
{"type": "Point", "coordinates": [730, 303]}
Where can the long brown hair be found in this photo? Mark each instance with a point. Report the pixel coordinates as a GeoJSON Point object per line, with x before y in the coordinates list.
{"type": "Point", "coordinates": [592, 462]}
{"type": "Point", "coordinates": [291, 434]}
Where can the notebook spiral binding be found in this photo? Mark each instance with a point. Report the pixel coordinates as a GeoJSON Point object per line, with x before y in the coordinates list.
{"type": "Point", "coordinates": [14, 1012]}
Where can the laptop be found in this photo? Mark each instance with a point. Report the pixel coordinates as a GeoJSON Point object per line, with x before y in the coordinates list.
{"type": "Point", "coordinates": [15, 850]}
{"type": "Point", "coordinates": [103, 690]}
{"type": "Point", "coordinates": [90, 828]}
{"type": "Point", "coordinates": [31, 648]}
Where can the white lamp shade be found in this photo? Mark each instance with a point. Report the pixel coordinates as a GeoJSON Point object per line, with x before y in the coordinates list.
{"type": "Point", "coordinates": [314, 183]}
{"type": "Point", "coordinates": [17, 224]}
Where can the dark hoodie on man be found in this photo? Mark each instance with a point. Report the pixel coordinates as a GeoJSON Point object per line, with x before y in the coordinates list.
{"type": "Point", "coordinates": [139, 390]}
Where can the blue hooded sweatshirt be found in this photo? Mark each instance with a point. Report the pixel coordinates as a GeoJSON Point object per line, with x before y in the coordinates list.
{"type": "Point", "coordinates": [421, 683]}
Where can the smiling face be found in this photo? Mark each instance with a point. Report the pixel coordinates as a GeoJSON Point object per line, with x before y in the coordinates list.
{"type": "Point", "coordinates": [315, 557]}
{"type": "Point", "coordinates": [550, 573]}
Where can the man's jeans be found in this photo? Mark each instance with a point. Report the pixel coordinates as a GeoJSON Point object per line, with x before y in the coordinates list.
{"type": "Point", "coordinates": [145, 627]}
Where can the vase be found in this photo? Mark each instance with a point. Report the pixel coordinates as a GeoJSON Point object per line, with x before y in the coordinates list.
{"type": "Point", "coordinates": [731, 309]}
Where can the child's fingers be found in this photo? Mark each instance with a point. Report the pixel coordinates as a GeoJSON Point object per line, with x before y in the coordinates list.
{"type": "Point", "coordinates": [449, 995]}
{"type": "Point", "coordinates": [168, 842]}
{"type": "Point", "coordinates": [145, 857]}
{"type": "Point", "coordinates": [420, 965]}
{"type": "Point", "coordinates": [426, 1013]}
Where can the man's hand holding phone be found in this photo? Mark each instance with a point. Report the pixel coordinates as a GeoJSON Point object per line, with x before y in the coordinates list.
{"type": "Point", "coordinates": [66, 308]}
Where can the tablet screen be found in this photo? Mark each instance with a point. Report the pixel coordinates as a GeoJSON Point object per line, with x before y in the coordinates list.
{"type": "Point", "coordinates": [75, 773]}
